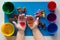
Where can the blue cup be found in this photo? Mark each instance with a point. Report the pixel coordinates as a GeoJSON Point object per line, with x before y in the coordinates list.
{"type": "Point", "coordinates": [52, 28]}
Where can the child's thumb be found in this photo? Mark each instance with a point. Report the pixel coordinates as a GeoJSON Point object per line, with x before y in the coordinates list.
{"type": "Point", "coordinates": [37, 18]}
{"type": "Point", "coordinates": [14, 22]}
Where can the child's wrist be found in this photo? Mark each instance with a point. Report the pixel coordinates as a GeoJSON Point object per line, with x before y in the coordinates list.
{"type": "Point", "coordinates": [21, 31]}
{"type": "Point", "coordinates": [33, 30]}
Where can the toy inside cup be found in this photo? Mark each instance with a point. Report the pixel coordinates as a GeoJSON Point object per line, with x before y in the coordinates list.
{"type": "Point", "coordinates": [52, 28]}
{"type": "Point", "coordinates": [51, 5]}
{"type": "Point", "coordinates": [7, 29]}
{"type": "Point", "coordinates": [30, 20]}
{"type": "Point", "coordinates": [8, 7]}
{"type": "Point", "coordinates": [51, 17]}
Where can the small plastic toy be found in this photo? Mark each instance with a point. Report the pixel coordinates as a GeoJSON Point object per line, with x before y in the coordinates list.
{"type": "Point", "coordinates": [42, 25]}
{"type": "Point", "coordinates": [19, 9]}
{"type": "Point", "coordinates": [40, 13]}
{"type": "Point", "coordinates": [23, 10]}
{"type": "Point", "coordinates": [30, 20]}
{"type": "Point", "coordinates": [15, 18]}
{"type": "Point", "coordinates": [11, 19]}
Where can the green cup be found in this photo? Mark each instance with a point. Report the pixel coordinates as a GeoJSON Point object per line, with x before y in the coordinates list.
{"type": "Point", "coordinates": [8, 7]}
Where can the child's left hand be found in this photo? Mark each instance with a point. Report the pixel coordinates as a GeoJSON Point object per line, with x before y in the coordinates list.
{"type": "Point", "coordinates": [21, 25]}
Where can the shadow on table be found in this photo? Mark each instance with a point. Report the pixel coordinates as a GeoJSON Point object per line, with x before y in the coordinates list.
{"type": "Point", "coordinates": [10, 38]}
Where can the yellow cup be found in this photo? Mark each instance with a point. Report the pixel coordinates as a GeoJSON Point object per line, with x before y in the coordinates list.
{"type": "Point", "coordinates": [7, 29]}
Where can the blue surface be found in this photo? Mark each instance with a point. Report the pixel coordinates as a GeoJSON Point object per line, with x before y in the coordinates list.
{"type": "Point", "coordinates": [31, 7]}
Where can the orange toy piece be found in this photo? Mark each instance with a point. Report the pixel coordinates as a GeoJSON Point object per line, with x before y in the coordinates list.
{"type": "Point", "coordinates": [30, 20]}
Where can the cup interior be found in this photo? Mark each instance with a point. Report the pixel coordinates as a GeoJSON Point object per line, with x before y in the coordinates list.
{"type": "Point", "coordinates": [8, 7]}
{"type": "Point", "coordinates": [51, 5]}
{"type": "Point", "coordinates": [52, 28]}
{"type": "Point", "coordinates": [7, 29]}
{"type": "Point", "coordinates": [51, 17]}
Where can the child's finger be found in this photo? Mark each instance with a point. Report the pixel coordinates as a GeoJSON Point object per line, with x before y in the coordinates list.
{"type": "Point", "coordinates": [14, 22]}
{"type": "Point", "coordinates": [37, 18]}
{"type": "Point", "coordinates": [23, 14]}
{"type": "Point", "coordinates": [19, 17]}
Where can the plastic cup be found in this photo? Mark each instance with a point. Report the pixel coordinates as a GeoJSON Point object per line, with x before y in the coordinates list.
{"type": "Point", "coordinates": [51, 5]}
{"type": "Point", "coordinates": [51, 17]}
{"type": "Point", "coordinates": [7, 29]}
{"type": "Point", "coordinates": [8, 7]}
{"type": "Point", "coordinates": [52, 28]}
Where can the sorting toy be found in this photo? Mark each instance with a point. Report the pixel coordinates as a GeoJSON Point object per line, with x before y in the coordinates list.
{"type": "Point", "coordinates": [19, 9]}
{"type": "Point", "coordinates": [42, 25]}
{"type": "Point", "coordinates": [22, 24]}
{"type": "Point", "coordinates": [40, 14]}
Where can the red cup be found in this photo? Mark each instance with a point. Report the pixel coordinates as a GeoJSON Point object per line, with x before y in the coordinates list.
{"type": "Point", "coordinates": [51, 17]}
{"type": "Point", "coordinates": [51, 5]}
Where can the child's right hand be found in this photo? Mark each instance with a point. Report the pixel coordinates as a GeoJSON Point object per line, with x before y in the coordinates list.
{"type": "Point", "coordinates": [33, 23]}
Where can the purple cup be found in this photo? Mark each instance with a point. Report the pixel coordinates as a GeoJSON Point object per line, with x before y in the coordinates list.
{"type": "Point", "coordinates": [51, 17]}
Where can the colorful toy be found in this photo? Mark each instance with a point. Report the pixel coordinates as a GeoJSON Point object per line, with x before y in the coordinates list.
{"type": "Point", "coordinates": [22, 24]}
{"type": "Point", "coordinates": [16, 15]}
{"type": "Point", "coordinates": [19, 9]}
{"type": "Point", "coordinates": [42, 25]}
{"type": "Point", "coordinates": [30, 20]}
{"type": "Point", "coordinates": [40, 13]}
{"type": "Point", "coordinates": [23, 10]}
{"type": "Point", "coordinates": [7, 29]}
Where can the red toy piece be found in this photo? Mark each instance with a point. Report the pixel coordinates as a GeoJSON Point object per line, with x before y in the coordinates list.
{"type": "Point", "coordinates": [22, 24]}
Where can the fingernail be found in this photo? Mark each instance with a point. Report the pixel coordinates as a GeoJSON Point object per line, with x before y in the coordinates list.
{"type": "Point", "coordinates": [37, 18]}
{"type": "Point", "coordinates": [23, 14]}
{"type": "Point", "coordinates": [19, 15]}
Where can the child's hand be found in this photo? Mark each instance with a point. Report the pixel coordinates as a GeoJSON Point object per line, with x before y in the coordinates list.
{"type": "Point", "coordinates": [35, 24]}
{"type": "Point", "coordinates": [21, 25]}
{"type": "Point", "coordinates": [32, 23]}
